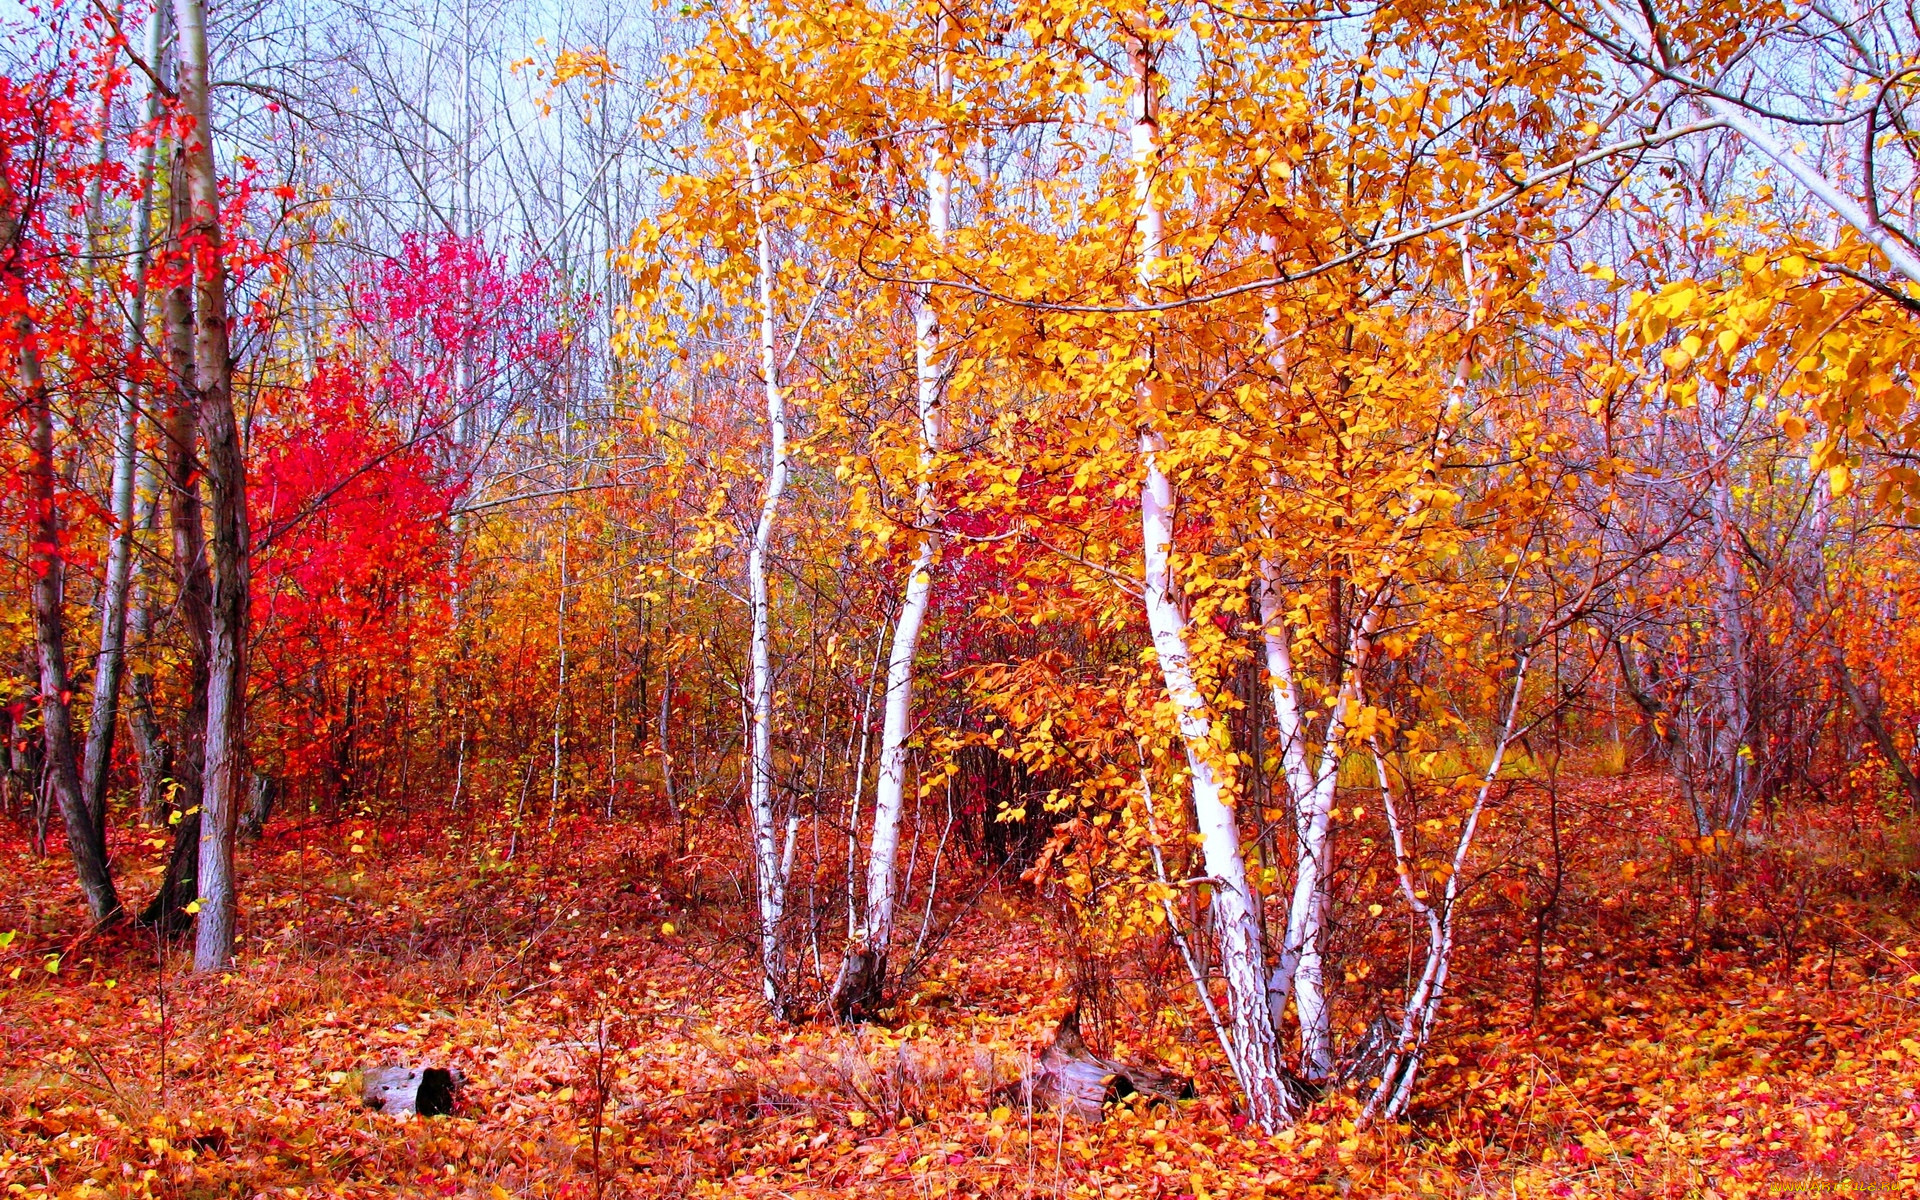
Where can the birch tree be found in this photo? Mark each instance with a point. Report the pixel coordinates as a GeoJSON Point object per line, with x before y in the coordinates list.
{"type": "Point", "coordinates": [109, 663]}
{"type": "Point", "coordinates": [86, 829]}
{"type": "Point", "coordinates": [770, 863]}
{"type": "Point", "coordinates": [1255, 1042]}
{"type": "Point", "coordinates": [863, 972]}
{"type": "Point", "coordinates": [227, 487]}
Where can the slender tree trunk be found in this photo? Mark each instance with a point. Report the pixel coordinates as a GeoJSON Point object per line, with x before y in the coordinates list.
{"type": "Point", "coordinates": [864, 970]}
{"type": "Point", "coordinates": [149, 744]}
{"type": "Point", "coordinates": [193, 584]}
{"type": "Point", "coordinates": [1392, 1094]}
{"type": "Point", "coordinates": [86, 833]}
{"type": "Point", "coordinates": [1256, 1042]}
{"type": "Point", "coordinates": [769, 879]}
{"type": "Point", "coordinates": [260, 797]}
{"type": "Point", "coordinates": [227, 489]}
{"type": "Point", "coordinates": [151, 749]}
{"type": "Point", "coordinates": [1735, 747]}
{"type": "Point", "coordinates": [1300, 972]}
{"type": "Point", "coordinates": [119, 577]}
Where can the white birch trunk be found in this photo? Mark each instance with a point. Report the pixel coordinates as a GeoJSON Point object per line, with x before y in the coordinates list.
{"type": "Point", "coordinates": [1300, 971]}
{"type": "Point", "coordinates": [1395, 1090]}
{"type": "Point", "coordinates": [769, 878]}
{"type": "Point", "coordinates": [1256, 1044]}
{"type": "Point", "coordinates": [1195, 971]}
{"type": "Point", "coordinates": [227, 487]}
{"type": "Point", "coordinates": [863, 972]}
{"type": "Point", "coordinates": [109, 663]}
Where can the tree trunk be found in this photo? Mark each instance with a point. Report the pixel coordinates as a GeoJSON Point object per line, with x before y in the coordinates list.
{"type": "Point", "coordinates": [119, 576]}
{"type": "Point", "coordinates": [1256, 1047]}
{"type": "Point", "coordinates": [253, 825]}
{"type": "Point", "coordinates": [86, 830]}
{"type": "Point", "coordinates": [863, 972]}
{"type": "Point", "coordinates": [1300, 973]}
{"type": "Point", "coordinates": [1735, 748]}
{"type": "Point", "coordinates": [172, 905]}
{"type": "Point", "coordinates": [227, 488]}
{"type": "Point", "coordinates": [179, 887]}
{"type": "Point", "coordinates": [770, 881]}
{"type": "Point", "coordinates": [151, 751]}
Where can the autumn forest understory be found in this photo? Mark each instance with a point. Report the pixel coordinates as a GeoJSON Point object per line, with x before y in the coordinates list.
{"type": "Point", "coordinates": [959, 598]}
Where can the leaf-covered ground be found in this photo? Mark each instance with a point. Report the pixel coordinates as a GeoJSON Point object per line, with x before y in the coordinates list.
{"type": "Point", "coordinates": [1740, 1024]}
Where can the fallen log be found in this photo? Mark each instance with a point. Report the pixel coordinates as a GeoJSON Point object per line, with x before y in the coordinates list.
{"type": "Point", "coordinates": [427, 1091]}
{"type": "Point", "coordinates": [1073, 1078]}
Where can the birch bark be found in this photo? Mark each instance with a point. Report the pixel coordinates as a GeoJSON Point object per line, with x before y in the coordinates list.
{"type": "Point", "coordinates": [864, 970]}
{"type": "Point", "coordinates": [770, 880]}
{"type": "Point", "coordinates": [86, 837]}
{"type": "Point", "coordinates": [119, 575]}
{"type": "Point", "coordinates": [1300, 972]}
{"type": "Point", "coordinates": [1256, 1044]}
{"type": "Point", "coordinates": [1395, 1089]}
{"type": "Point", "coordinates": [227, 489]}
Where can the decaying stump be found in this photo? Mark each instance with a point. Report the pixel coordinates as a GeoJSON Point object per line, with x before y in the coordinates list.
{"type": "Point", "coordinates": [856, 991]}
{"type": "Point", "coordinates": [428, 1091]}
{"type": "Point", "coordinates": [1073, 1078]}
{"type": "Point", "coordinates": [253, 822]}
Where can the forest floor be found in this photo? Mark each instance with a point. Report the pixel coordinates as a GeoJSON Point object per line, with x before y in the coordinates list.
{"type": "Point", "coordinates": [1742, 1024]}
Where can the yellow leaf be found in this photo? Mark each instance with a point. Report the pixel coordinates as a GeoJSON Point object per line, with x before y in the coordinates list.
{"type": "Point", "coordinates": [856, 1118]}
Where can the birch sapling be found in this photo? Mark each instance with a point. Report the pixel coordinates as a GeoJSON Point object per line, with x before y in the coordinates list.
{"type": "Point", "coordinates": [769, 878]}
{"type": "Point", "coordinates": [227, 491]}
{"type": "Point", "coordinates": [1394, 1090]}
{"type": "Point", "coordinates": [1270, 1100]}
{"type": "Point", "coordinates": [109, 664]}
{"type": "Point", "coordinates": [85, 836]}
{"type": "Point", "coordinates": [863, 972]}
